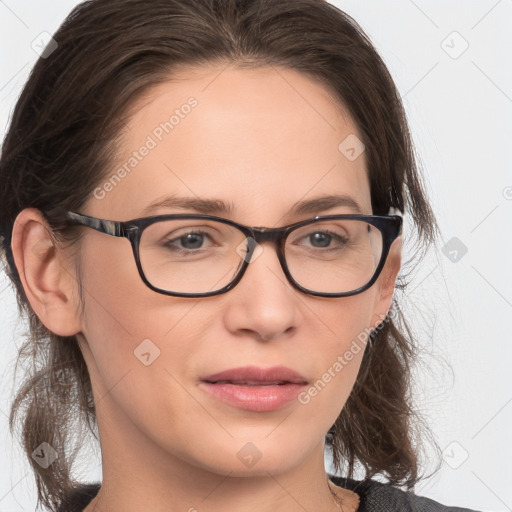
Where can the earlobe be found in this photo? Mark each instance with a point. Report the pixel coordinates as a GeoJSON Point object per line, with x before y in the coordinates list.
{"type": "Point", "coordinates": [48, 284]}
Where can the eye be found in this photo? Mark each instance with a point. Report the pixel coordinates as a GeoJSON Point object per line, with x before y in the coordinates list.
{"type": "Point", "coordinates": [323, 239]}
{"type": "Point", "coordinates": [327, 239]}
{"type": "Point", "coordinates": [191, 240]}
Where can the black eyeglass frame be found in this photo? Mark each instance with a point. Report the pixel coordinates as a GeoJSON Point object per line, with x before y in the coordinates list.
{"type": "Point", "coordinates": [389, 225]}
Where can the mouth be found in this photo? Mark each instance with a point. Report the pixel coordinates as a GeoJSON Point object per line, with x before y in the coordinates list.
{"type": "Point", "coordinates": [255, 389]}
{"type": "Point", "coordinates": [257, 376]}
{"type": "Point", "coordinates": [250, 383]}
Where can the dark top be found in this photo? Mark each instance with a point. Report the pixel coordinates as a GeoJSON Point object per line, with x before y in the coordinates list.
{"type": "Point", "coordinates": [373, 497]}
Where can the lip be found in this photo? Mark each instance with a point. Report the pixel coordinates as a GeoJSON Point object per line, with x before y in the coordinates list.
{"type": "Point", "coordinates": [254, 388]}
{"type": "Point", "coordinates": [280, 374]}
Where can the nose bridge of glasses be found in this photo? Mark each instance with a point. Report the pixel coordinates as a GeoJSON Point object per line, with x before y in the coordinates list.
{"type": "Point", "coordinates": [260, 235]}
{"type": "Point", "coordinates": [256, 236]}
{"type": "Point", "coordinates": [267, 234]}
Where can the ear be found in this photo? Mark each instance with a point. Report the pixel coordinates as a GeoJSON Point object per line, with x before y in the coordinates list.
{"type": "Point", "coordinates": [386, 283]}
{"type": "Point", "coordinates": [47, 278]}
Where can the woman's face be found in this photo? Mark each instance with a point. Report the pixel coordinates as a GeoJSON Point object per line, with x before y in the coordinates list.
{"type": "Point", "coordinates": [261, 140]}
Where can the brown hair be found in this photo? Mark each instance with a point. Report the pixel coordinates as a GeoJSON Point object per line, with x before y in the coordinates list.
{"type": "Point", "coordinates": [61, 142]}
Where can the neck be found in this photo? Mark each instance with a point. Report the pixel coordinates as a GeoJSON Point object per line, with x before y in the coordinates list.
{"type": "Point", "coordinates": [139, 475]}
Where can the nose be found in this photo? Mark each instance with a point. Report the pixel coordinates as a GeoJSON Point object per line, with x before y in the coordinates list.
{"type": "Point", "coordinates": [263, 304]}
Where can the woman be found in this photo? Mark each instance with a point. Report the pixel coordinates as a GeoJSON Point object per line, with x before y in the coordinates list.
{"type": "Point", "coordinates": [202, 218]}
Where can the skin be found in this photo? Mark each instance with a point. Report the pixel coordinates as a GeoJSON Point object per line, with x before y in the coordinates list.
{"type": "Point", "coordinates": [164, 440]}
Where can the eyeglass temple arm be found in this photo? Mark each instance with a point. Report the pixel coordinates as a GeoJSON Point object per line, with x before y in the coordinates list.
{"type": "Point", "coordinates": [110, 227]}
{"type": "Point", "coordinates": [396, 212]}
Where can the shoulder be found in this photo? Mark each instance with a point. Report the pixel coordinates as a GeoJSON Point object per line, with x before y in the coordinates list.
{"type": "Point", "coordinates": [380, 497]}
{"type": "Point", "coordinates": [79, 498]}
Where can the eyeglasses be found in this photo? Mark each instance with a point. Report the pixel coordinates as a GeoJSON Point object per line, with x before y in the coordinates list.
{"type": "Point", "coordinates": [195, 255]}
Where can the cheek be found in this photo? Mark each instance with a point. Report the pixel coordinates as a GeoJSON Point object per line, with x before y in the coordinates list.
{"type": "Point", "coordinates": [133, 333]}
{"type": "Point", "coordinates": [141, 363]}
{"type": "Point", "coordinates": [339, 322]}
{"type": "Point", "coordinates": [345, 327]}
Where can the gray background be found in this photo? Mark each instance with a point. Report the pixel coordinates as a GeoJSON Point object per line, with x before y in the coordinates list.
{"type": "Point", "coordinates": [459, 103]}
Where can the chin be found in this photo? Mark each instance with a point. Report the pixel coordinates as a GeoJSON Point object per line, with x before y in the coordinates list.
{"type": "Point", "coordinates": [245, 458]}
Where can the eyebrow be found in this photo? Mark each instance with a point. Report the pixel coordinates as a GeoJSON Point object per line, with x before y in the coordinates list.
{"type": "Point", "coordinates": [219, 207]}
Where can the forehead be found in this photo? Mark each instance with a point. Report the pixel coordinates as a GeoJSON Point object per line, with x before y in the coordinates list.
{"type": "Point", "coordinates": [260, 139]}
